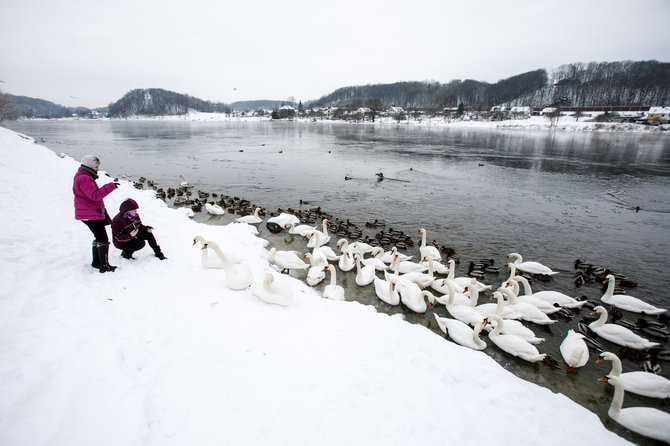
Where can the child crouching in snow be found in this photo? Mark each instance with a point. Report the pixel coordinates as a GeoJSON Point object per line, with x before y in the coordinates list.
{"type": "Point", "coordinates": [129, 234]}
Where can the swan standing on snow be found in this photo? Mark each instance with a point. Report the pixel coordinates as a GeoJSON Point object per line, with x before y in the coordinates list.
{"type": "Point", "coordinates": [642, 383]}
{"type": "Point", "coordinates": [213, 261]}
{"type": "Point", "coordinates": [214, 209]}
{"type": "Point", "coordinates": [238, 275]}
{"type": "Point", "coordinates": [461, 333]}
{"type": "Point", "coordinates": [428, 250]}
{"type": "Point", "coordinates": [625, 302]}
{"type": "Point", "coordinates": [364, 275]}
{"type": "Point", "coordinates": [574, 350]}
{"type": "Point", "coordinates": [286, 260]}
{"type": "Point", "coordinates": [647, 421]}
{"type": "Point", "coordinates": [513, 345]}
{"type": "Point", "coordinates": [274, 291]}
{"type": "Point", "coordinates": [530, 267]}
{"type": "Point", "coordinates": [552, 297]}
{"type": "Point", "coordinates": [333, 290]}
{"type": "Point", "coordinates": [251, 219]}
{"type": "Point", "coordinates": [616, 333]}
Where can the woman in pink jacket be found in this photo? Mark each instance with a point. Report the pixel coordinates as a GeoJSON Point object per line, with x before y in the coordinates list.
{"type": "Point", "coordinates": [90, 209]}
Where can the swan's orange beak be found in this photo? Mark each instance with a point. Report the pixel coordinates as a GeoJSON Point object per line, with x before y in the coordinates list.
{"type": "Point", "coordinates": [194, 242]}
{"type": "Point", "coordinates": [603, 380]}
{"type": "Point", "coordinates": [570, 369]}
{"type": "Point", "coordinates": [599, 360]}
{"type": "Point", "coordinates": [325, 268]}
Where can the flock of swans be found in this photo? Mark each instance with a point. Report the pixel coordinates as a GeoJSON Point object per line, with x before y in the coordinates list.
{"type": "Point", "coordinates": [399, 280]}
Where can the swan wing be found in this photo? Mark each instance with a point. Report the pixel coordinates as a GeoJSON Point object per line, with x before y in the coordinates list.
{"type": "Point", "coordinates": [647, 384]}
{"type": "Point", "coordinates": [630, 303]}
{"type": "Point", "coordinates": [516, 346]}
{"type": "Point", "coordinates": [647, 421]}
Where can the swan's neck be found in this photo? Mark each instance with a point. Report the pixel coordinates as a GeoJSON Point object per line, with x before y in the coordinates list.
{"type": "Point", "coordinates": [510, 295]}
{"type": "Point", "coordinates": [517, 259]}
{"type": "Point", "coordinates": [473, 293]}
{"type": "Point", "coordinates": [450, 285]}
{"type": "Point", "coordinates": [218, 252]}
{"type": "Point", "coordinates": [452, 270]}
{"type": "Point", "coordinates": [423, 238]}
{"type": "Point", "coordinates": [430, 267]}
{"type": "Point", "coordinates": [512, 271]}
{"type": "Point", "coordinates": [616, 367]}
{"type": "Point", "coordinates": [601, 319]}
{"type": "Point", "coordinates": [325, 227]}
{"type": "Point", "coordinates": [476, 332]}
{"type": "Point", "coordinates": [617, 401]}
{"type": "Point", "coordinates": [333, 278]}
{"type": "Point", "coordinates": [267, 282]}
{"type": "Point", "coordinates": [496, 331]}
{"type": "Point", "coordinates": [610, 288]}
{"type": "Point", "coordinates": [527, 290]}
{"type": "Point", "coordinates": [499, 305]}
{"type": "Point", "coordinates": [515, 288]}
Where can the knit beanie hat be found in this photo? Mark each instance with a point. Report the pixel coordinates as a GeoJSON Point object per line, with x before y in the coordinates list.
{"type": "Point", "coordinates": [90, 161]}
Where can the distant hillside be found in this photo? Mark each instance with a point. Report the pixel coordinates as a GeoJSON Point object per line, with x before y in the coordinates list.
{"type": "Point", "coordinates": [39, 108]}
{"type": "Point", "coordinates": [579, 84]}
{"type": "Point", "coordinates": [159, 102]}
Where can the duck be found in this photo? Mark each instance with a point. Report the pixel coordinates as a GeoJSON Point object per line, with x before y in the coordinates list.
{"type": "Point", "coordinates": [274, 291]}
{"type": "Point", "coordinates": [185, 182]}
{"type": "Point", "coordinates": [626, 302]}
{"type": "Point", "coordinates": [251, 219]}
{"type": "Point", "coordinates": [461, 333]}
{"type": "Point", "coordinates": [238, 274]}
{"type": "Point", "coordinates": [333, 291]}
{"type": "Point", "coordinates": [214, 209]}
{"type": "Point", "coordinates": [616, 333]}
{"type": "Point", "coordinates": [364, 275]}
{"type": "Point", "coordinates": [286, 260]}
{"type": "Point", "coordinates": [647, 421]}
{"type": "Point", "coordinates": [302, 230]}
{"type": "Point", "coordinates": [574, 350]}
{"type": "Point", "coordinates": [512, 344]}
{"type": "Point", "coordinates": [641, 383]}
{"type": "Point", "coordinates": [530, 267]}
{"type": "Point", "coordinates": [324, 237]}
{"type": "Point", "coordinates": [540, 304]}
{"type": "Point", "coordinates": [425, 250]}
{"type": "Point", "coordinates": [552, 297]}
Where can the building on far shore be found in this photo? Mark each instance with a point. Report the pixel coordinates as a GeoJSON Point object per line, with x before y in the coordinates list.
{"type": "Point", "coordinates": [660, 114]}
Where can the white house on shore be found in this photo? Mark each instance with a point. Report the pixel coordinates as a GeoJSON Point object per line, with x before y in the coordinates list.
{"type": "Point", "coordinates": [661, 114]}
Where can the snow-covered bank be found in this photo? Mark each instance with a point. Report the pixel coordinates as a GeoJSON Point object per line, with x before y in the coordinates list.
{"type": "Point", "coordinates": [534, 123]}
{"type": "Point", "coordinates": [164, 353]}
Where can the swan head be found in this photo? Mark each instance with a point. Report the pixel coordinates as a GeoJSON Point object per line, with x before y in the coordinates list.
{"type": "Point", "coordinates": [600, 310]}
{"type": "Point", "coordinates": [513, 255]}
{"type": "Point", "coordinates": [198, 239]}
{"type": "Point", "coordinates": [606, 356]}
{"type": "Point", "coordinates": [609, 278]}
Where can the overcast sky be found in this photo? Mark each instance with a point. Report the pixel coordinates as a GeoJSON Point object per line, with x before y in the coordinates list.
{"type": "Point", "coordinates": [90, 53]}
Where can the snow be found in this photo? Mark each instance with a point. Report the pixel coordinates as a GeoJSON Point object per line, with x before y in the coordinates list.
{"type": "Point", "coordinates": [163, 353]}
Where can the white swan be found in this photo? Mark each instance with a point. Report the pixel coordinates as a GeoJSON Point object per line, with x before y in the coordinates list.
{"type": "Point", "coordinates": [333, 290]}
{"type": "Point", "coordinates": [438, 267]}
{"type": "Point", "coordinates": [214, 209]}
{"type": "Point", "coordinates": [642, 383]}
{"type": "Point", "coordinates": [616, 333]}
{"type": "Point", "coordinates": [364, 275]}
{"type": "Point", "coordinates": [463, 313]}
{"type": "Point", "coordinates": [375, 260]}
{"type": "Point", "coordinates": [321, 249]}
{"type": "Point", "coordinates": [459, 298]}
{"type": "Point", "coordinates": [274, 291]}
{"type": "Point", "coordinates": [389, 256]}
{"type": "Point", "coordinates": [530, 267]}
{"type": "Point", "coordinates": [346, 262]}
{"type": "Point", "coordinates": [540, 304]}
{"type": "Point", "coordinates": [412, 296]}
{"type": "Point", "coordinates": [362, 247]}
{"type": "Point", "coordinates": [647, 421]}
{"type": "Point", "coordinates": [324, 237]}
{"type": "Point", "coordinates": [238, 275]}
{"type": "Point", "coordinates": [501, 308]}
{"type": "Point", "coordinates": [428, 250]}
{"type": "Point", "coordinates": [525, 311]}
{"type": "Point", "coordinates": [315, 273]}
{"type": "Point", "coordinates": [405, 266]}
{"type": "Point", "coordinates": [250, 219]}
{"type": "Point", "coordinates": [626, 302]}
{"type": "Point", "coordinates": [184, 182]}
{"type": "Point", "coordinates": [574, 350]}
{"type": "Point", "coordinates": [461, 333]}
{"type": "Point", "coordinates": [302, 230]}
{"type": "Point", "coordinates": [386, 291]}
{"type": "Point", "coordinates": [286, 260]}
{"type": "Point", "coordinates": [424, 280]}
{"type": "Point", "coordinates": [552, 297]}
{"type": "Point", "coordinates": [512, 344]}
{"type": "Point", "coordinates": [213, 261]}
{"type": "Point", "coordinates": [462, 282]}
{"type": "Point", "coordinates": [284, 218]}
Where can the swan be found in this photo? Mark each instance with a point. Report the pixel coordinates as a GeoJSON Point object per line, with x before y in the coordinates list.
{"type": "Point", "coordinates": [321, 249]}
{"type": "Point", "coordinates": [364, 275]}
{"type": "Point", "coordinates": [302, 230]}
{"type": "Point", "coordinates": [375, 260]}
{"type": "Point", "coordinates": [530, 267]}
{"type": "Point", "coordinates": [512, 344]}
{"type": "Point", "coordinates": [213, 261]}
{"type": "Point", "coordinates": [646, 421]}
{"type": "Point", "coordinates": [412, 296]}
{"type": "Point", "coordinates": [251, 219]}
{"type": "Point", "coordinates": [274, 291]}
{"type": "Point", "coordinates": [462, 282]}
{"type": "Point", "coordinates": [574, 350]}
{"type": "Point", "coordinates": [389, 256]}
{"type": "Point", "coordinates": [346, 262]}
{"type": "Point", "coordinates": [540, 304]}
{"type": "Point", "coordinates": [286, 260]}
{"type": "Point", "coordinates": [324, 237]}
{"type": "Point", "coordinates": [424, 280]}
{"type": "Point", "coordinates": [626, 302]}
{"type": "Point", "coordinates": [363, 248]}
{"type": "Point", "coordinates": [616, 333]}
{"type": "Point", "coordinates": [386, 291]}
{"type": "Point", "coordinates": [238, 275]}
{"type": "Point", "coordinates": [459, 298]}
{"type": "Point", "coordinates": [642, 383]}
{"type": "Point", "coordinates": [525, 311]}
{"type": "Point", "coordinates": [333, 290]}
{"type": "Point", "coordinates": [511, 326]}
{"type": "Point", "coordinates": [315, 273]}
{"type": "Point", "coordinates": [214, 209]}
{"type": "Point", "coordinates": [184, 182]}
{"type": "Point", "coordinates": [428, 250]}
{"type": "Point", "coordinates": [284, 218]}
{"type": "Point", "coordinates": [406, 266]}
{"type": "Point", "coordinates": [438, 267]}
{"type": "Point", "coordinates": [552, 297]}
{"type": "Point", "coordinates": [461, 333]}
{"type": "Point", "coordinates": [463, 313]}
{"type": "Point", "coordinates": [501, 308]}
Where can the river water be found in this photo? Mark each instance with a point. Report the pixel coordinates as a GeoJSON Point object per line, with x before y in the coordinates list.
{"type": "Point", "coordinates": [552, 196]}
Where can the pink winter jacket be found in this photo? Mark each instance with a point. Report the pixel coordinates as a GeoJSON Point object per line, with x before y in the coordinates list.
{"type": "Point", "coordinates": [88, 204]}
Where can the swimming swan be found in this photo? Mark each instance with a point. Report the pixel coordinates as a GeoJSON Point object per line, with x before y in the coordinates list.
{"type": "Point", "coordinates": [333, 290]}
{"type": "Point", "coordinates": [642, 383]}
{"type": "Point", "coordinates": [574, 350]}
{"type": "Point", "coordinates": [214, 209]}
{"type": "Point", "coordinates": [428, 250]}
{"type": "Point", "coordinates": [461, 333]}
{"type": "Point", "coordinates": [552, 297]}
{"type": "Point", "coordinates": [530, 267]}
{"type": "Point", "coordinates": [626, 302]}
{"type": "Point", "coordinates": [251, 219]}
{"type": "Point", "coordinates": [512, 344]}
{"type": "Point", "coordinates": [616, 333]}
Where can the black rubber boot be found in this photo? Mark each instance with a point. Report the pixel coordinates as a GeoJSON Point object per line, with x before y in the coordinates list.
{"type": "Point", "coordinates": [103, 251]}
{"type": "Point", "coordinates": [127, 255]}
{"type": "Point", "coordinates": [96, 260]}
{"type": "Point", "coordinates": [158, 253]}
